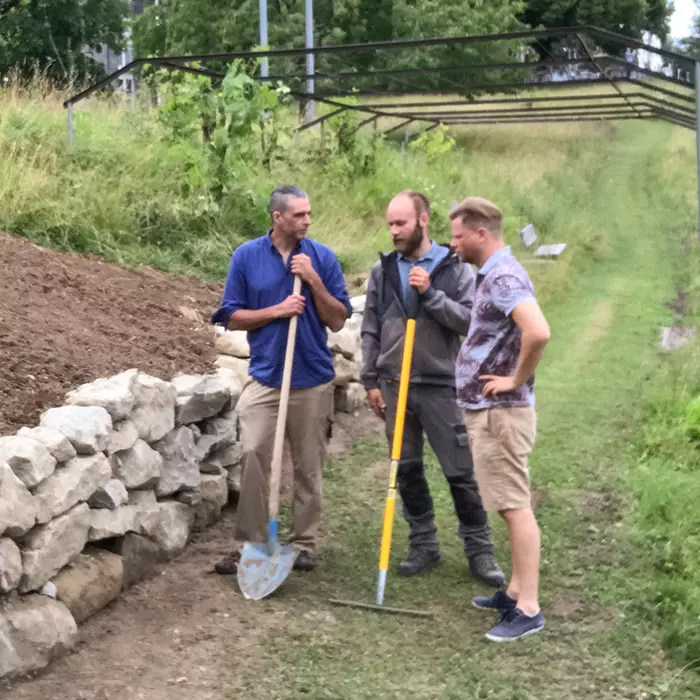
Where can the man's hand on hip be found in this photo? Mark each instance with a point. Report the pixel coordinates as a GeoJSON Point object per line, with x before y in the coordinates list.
{"type": "Point", "coordinates": [419, 279]}
{"type": "Point", "coordinates": [497, 385]}
{"type": "Point", "coordinates": [376, 402]}
{"type": "Point", "coordinates": [301, 265]}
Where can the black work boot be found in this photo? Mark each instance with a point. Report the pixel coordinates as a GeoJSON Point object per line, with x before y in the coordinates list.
{"type": "Point", "coordinates": [305, 561]}
{"type": "Point", "coordinates": [418, 561]}
{"type": "Point", "coordinates": [485, 568]}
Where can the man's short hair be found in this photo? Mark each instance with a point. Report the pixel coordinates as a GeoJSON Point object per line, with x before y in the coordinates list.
{"type": "Point", "coordinates": [420, 201]}
{"type": "Point", "coordinates": [282, 195]}
{"type": "Point", "coordinates": [477, 212]}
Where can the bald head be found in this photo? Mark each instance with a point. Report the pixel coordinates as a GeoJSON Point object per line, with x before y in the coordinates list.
{"type": "Point", "coordinates": [408, 216]}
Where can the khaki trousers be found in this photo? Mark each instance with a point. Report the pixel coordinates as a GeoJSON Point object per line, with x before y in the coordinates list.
{"type": "Point", "coordinates": [308, 421]}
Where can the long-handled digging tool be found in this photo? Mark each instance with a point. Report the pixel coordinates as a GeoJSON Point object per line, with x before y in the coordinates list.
{"type": "Point", "coordinates": [265, 566]}
{"type": "Point", "coordinates": [390, 506]}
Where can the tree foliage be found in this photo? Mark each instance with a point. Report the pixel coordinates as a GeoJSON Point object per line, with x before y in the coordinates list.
{"type": "Point", "coordinates": [53, 36]}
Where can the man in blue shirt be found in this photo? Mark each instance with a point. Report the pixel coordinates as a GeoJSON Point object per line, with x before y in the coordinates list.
{"type": "Point", "coordinates": [258, 298]}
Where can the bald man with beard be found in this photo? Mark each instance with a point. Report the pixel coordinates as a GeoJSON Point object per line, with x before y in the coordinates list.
{"type": "Point", "coordinates": [427, 279]}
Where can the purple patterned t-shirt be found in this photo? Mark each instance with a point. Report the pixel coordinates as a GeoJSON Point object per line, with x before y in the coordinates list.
{"type": "Point", "coordinates": [492, 345]}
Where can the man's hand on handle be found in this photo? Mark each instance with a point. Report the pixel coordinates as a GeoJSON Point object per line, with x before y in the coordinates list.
{"type": "Point", "coordinates": [376, 402]}
{"type": "Point", "coordinates": [419, 279]}
{"type": "Point", "coordinates": [293, 305]}
{"type": "Point", "coordinates": [301, 265]}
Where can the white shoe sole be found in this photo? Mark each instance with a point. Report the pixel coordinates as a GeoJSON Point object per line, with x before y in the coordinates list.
{"type": "Point", "coordinates": [494, 638]}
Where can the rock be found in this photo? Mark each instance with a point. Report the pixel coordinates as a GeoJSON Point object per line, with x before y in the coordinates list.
{"type": "Point", "coordinates": [232, 368]}
{"type": "Point", "coordinates": [58, 445]}
{"type": "Point", "coordinates": [200, 397]}
{"type": "Point", "coordinates": [346, 371]}
{"type": "Point", "coordinates": [358, 303]}
{"type": "Point", "coordinates": [17, 507]}
{"type": "Point", "coordinates": [218, 433]}
{"type": "Point", "coordinates": [122, 437]}
{"type": "Point", "coordinates": [233, 343]}
{"type": "Point", "coordinates": [48, 548]}
{"type": "Point", "coordinates": [140, 466]}
{"type": "Point", "coordinates": [49, 589]}
{"type": "Point", "coordinates": [116, 394]}
{"type": "Point", "coordinates": [226, 457]}
{"type": "Point", "coordinates": [349, 398]}
{"type": "Point", "coordinates": [90, 582]}
{"type": "Point", "coordinates": [154, 410]}
{"type": "Point", "coordinates": [115, 463]}
{"type": "Point", "coordinates": [676, 337]}
{"type": "Point", "coordinates": [110, 496]}
{"type": "Point", "coordinates": [10, 565]}
{"type": "Point", "coordinates": [208, 444]}
{"type": "Point", "coordinates": [34, 630]}
{"type": "Point", "coordinates": [173, 528]}
{"type": "Point", "coordinates": [233, 480]}
{"type": "Point", "coordinates": [140, 515]}
{"type": "Point", "coordinates": [141, 558]}
{"type": "Point", "coordinates": [196, 432]}
{"type": "Point", "coordinates": [75, 482]}
{"type": "Point", "coordinates": [345, 342]}
{"type": "Point", "coordinates": [189, 498]}
{"type": "Point", "coordinates": [180, 467]}
{"type": "Point", "coordinates": [214, 490]}
{"type": "Point", "coordinates": [29, 460]}
{"type": "Point", "coordinates": [87, 427]}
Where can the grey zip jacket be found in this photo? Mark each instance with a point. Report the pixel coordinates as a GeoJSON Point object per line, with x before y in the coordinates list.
{"type": "Point", "coordinates": [443, 317]}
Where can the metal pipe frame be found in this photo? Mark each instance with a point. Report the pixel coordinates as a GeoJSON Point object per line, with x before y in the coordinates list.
{"type": "Point", "coordinates": [387, 46]}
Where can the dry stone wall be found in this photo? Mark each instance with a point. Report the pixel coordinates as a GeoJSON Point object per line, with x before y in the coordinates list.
{"type": "Point", "coordinates": [112, 484]}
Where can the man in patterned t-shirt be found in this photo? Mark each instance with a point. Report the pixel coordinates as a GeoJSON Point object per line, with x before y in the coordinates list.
{"type": "Point", "coordinates": [495, 388]}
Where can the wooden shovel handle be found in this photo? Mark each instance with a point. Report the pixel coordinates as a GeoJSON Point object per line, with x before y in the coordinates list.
{"type": "Point", "coordinates": [276, 469]}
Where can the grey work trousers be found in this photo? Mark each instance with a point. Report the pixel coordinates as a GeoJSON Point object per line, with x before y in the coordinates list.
{"type": "Point", "coordinates": [433, 410]}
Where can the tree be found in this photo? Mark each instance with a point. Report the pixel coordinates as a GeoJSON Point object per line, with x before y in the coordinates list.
{"type": "Point", "coordinates": [691, 44]}
{"type": "Point", "coordinates": [215, 26]}
{"type": "Point", "coordinates": [53, 36]}
{"type": "Point", "coordinates": [629, 17]}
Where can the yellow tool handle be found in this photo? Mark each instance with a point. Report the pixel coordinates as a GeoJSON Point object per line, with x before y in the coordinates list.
{"type": "Point", "coordinates": [403, 388]}
{"type": "Point", "coordinates": [390, 507]}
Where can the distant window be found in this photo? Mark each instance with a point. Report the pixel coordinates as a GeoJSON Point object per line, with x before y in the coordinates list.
{"type": "Point", "coordinates": [137, 6]}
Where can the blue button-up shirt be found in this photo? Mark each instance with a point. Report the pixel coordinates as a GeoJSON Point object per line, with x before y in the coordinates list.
{"type": "Point", "coordinates": [257, 279]}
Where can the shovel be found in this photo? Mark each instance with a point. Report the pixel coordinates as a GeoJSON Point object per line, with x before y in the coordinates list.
{"type": "Point", "coordinates": [264, 566]}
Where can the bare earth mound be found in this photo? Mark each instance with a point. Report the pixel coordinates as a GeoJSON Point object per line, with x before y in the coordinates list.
{"type": "Point", "coordinates": [66, 319]}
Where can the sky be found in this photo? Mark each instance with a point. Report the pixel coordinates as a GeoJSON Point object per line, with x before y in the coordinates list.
{"type": "Point", "coordinates": [682, 18]}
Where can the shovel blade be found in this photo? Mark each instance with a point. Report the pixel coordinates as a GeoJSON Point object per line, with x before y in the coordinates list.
{"type": "Point", "coordinates": [262, 569]}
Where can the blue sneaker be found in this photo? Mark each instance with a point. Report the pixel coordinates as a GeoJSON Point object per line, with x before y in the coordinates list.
{"type": "Point", "coordinates": [516, 625]}
{"type": "Point", "coordinates": [500, 601]}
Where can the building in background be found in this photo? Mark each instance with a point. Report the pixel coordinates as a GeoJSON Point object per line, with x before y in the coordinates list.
{"type": "Point", "coordinates": [114, 61]}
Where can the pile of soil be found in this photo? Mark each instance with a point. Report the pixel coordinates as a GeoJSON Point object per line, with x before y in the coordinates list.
{"type": "Point", "coordinates": [67, 319]}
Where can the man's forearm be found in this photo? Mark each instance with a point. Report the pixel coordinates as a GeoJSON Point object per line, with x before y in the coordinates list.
{"type": "Point", "coordinates": [531, 351]}
{"type": "Point", "coordinates": [331, 311]}
{"type": "Point", "coordinates": [249, 320]}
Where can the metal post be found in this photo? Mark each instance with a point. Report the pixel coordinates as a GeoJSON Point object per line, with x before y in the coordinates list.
{"type": "Point", "coordinates": [697, 131]}
{"type": "Point", "coordinates": [264, 71]}
{"type": "Point", "coordinates": [311, 109]}
{"type": "Point", "coordinates": [70, 122]}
